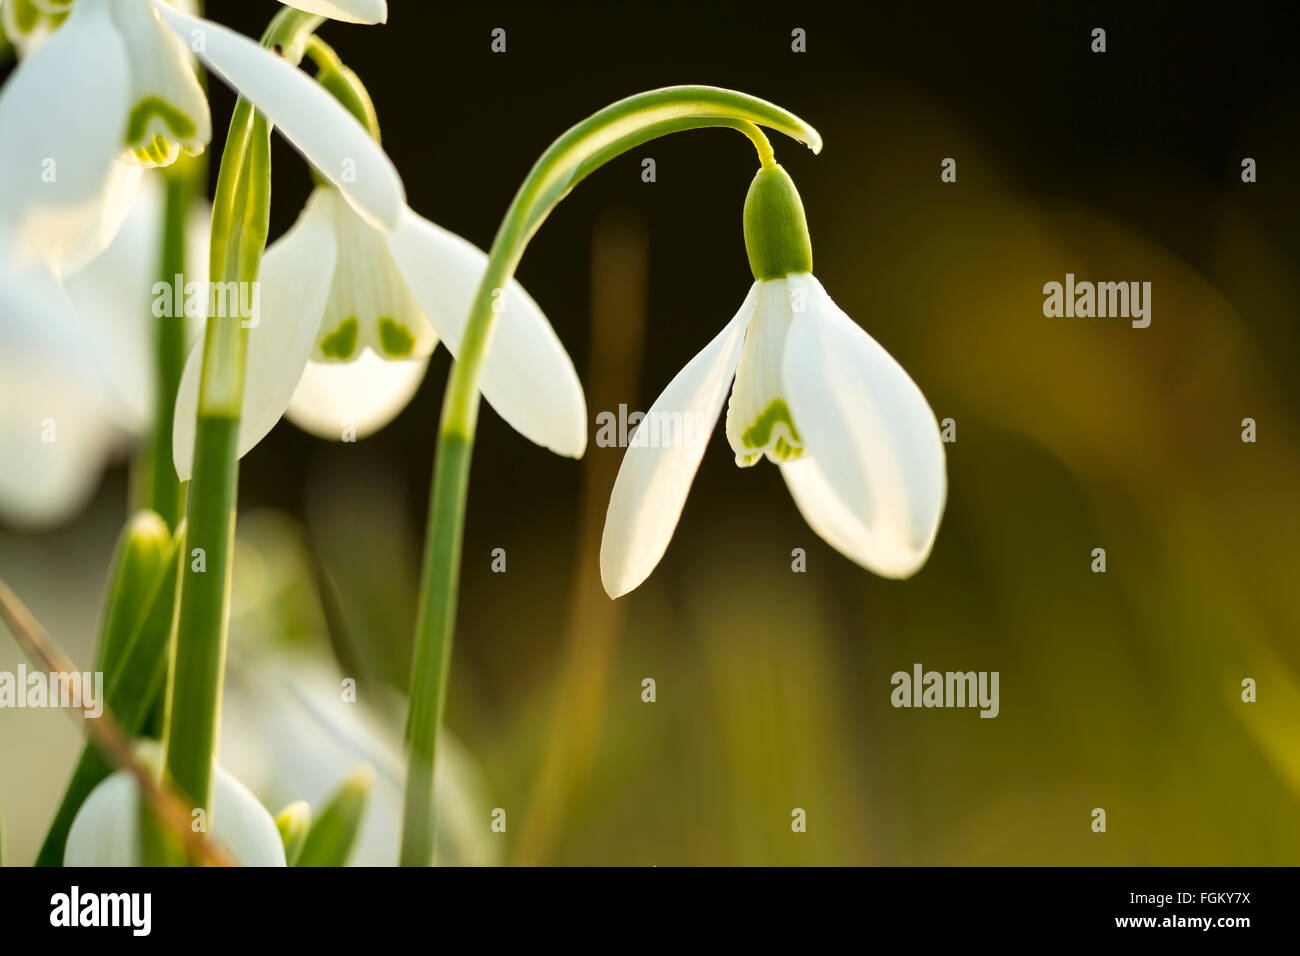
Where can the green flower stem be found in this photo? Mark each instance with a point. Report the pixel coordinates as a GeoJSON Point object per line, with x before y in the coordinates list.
{"type": "Point", "coordinates": [240, 218]}
{"type": "Point", "coordinates": [583, 149]}
{"type": "Point", "coordinates": [181, 185]}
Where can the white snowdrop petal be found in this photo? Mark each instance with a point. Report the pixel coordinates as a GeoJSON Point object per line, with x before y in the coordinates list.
{"type": "Point", "coordinates": [62, 120]}
{"type": "Point", "coordinates": [656, 474]}
{"type": "Point", "coordinates": [306, 114]}
{"type": "Point", "coordinates": [870, 432]}
{"type": "Point", "coordinates": [758, 419]}
{"type": "Point", "coordinates": [346, 11]}
{"type": "Point", "coordinates": [54, 436]}
{"type": "Point", "coordinates": [527, 377]}
{"type": "Point", "coordinates": [106, 830]}
{"type": "Point", "coordinates": [351, 400]}
{"type": "Point", "coordinates": [168, 110]}
{"type": "Point", "coordinates": [293, 286]}
{"type": "Point", "coordinates": [370, 304]}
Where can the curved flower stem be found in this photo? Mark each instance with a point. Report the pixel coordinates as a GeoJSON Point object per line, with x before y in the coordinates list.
{"type": "Point", "coordinates": [240, 217]}
{"type": "Point", "coordinates": [580, 151]}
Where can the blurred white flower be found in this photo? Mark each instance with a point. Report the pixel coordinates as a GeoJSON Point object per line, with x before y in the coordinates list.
{"type": "Point", "coordinates": [77, 372]}
{"type": "Point", "coordinates": [113, 89]}
{"type": "Point", "coordinates": [290, 734]}
{"type": "Point", "coordinates": [349, 315]}
{"type": "Point", "coordinates": [106, 830]}
{"type": "Point", "coordinates": [856, 441]}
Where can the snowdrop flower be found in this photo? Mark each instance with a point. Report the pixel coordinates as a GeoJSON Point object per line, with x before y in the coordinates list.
{"type": "Point", "coordinates": [856, 441]}
{"type": "Point", "coordinates": [106, 830]}
{"type": "Point", "coordinates": [113, 90]}
{"type": "Point", "coordinates": [77, 366]}
{"type": "Point", "coordinates": [348, 317]}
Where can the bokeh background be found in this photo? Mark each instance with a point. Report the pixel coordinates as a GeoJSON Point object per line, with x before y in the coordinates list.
{"type": "Point", "coordinates": [1119, 690]}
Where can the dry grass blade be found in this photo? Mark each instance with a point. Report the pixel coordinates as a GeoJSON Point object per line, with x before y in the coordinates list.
{"type": "Point", "coordinates": [106, 731]}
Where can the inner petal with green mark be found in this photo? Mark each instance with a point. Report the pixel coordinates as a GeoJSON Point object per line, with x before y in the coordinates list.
{"type": "Point", "coordinates": [341, 344]}
{"type": "Point", "coordinates": [155, 131]}
{"type": "Point", "coordinates": [369, 292]}
{"type": "Point", "coordinates": [26, 23]}
{"type": "Point", "coordinates": [758, 419]}
{"type": "Point", "coordinates": [169, 113]}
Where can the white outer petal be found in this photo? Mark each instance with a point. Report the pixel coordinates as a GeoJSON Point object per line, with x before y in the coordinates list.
{"type": "Point", "coordinates": [106, 830]}
{"type": "Point", "coordinates": [652, 483]}
{"type": "Point", "coordinates": [47, 379]}
{"type": "Point", "coordinates": [62, 120]}
{"type": "Point", "coordinates": [872, 436]}
{"type": "Point", "coordinates": [345, 11]}
{"type": "Point", "coordinates": [317, 124]}
{"type": "Point", "coordinates": [366, 394]}
{"type": "Point", "coordinates": [294, 282]}
{"type": "Point", "coordinates": [527, 376]}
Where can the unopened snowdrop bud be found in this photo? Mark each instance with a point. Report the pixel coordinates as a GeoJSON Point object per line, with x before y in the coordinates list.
{"type": "Point", "coordinates": [106, 831]}
{"type": "Point", "coordinates": [776, 230]}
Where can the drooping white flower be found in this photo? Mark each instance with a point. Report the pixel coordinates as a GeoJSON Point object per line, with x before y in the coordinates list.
{"type": "Point", "coordinates": [113, 90]}
{"type": "Point", "coordinates": [106, 830]}
{"type": "Point", "coordinates": [348, 317]}
{"type": "Point", "coordinates": [77, 364]}
{"type": "Point", "coordinates": [856, 441]}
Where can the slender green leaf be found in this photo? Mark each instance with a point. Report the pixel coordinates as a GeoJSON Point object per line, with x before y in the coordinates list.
{"type": "Point", "coordinates": [130, 692]}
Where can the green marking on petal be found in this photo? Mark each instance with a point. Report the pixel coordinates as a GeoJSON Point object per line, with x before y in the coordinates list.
{"type": "Point", "coordinates": [26, 16]}
{"type": "Point", "coordinates": [394, 338]}
{"type": "Point", "coordinates": [785, 451]}
{"type": "Point", "coordinates": [759, 434]}
{"type": "Point", "coordinates": [342, 342]}
{"type": "Point", "coordinates": [181, 126]}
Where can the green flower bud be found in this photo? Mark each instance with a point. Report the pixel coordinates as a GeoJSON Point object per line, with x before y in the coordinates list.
{"type": "Point", "coordinates": [776, 230]}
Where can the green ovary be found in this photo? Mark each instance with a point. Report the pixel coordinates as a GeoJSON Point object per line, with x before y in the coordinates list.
{"type": "Point", "coordinates": [394, 338]}
{"type": "Point", "coordinates": [342, 342]}
{"type": "Point", "coordinates": [759, 435]}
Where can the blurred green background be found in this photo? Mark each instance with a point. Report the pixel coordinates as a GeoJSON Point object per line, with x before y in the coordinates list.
{"type": "Point", "coordinates": [1118, 690]}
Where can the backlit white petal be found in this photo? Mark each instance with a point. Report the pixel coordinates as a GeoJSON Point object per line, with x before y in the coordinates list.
{"type": "Point", "coordinates": [168, 111]}
{"type": "Point", "coordinates": [294, 284]}
{"type": "Point", "coordinates": [656, 474]}
{"type": "Point", "coordinates": [106, 830]}
{"type": "Point", "coordinates": [307, 115]}
{"type": "Point", "coordinates": [870, 432]}
{"type": "Point", "coordinates": [54, 435]}
{"type": "Point", "coordinates": [354, 399]}
{"type": "Point", "coordinates": [347, 11]}
{"type": "Point", "coordinates": [527, 377]}
{"type": "Point", "coordinates": [758, 420]}
{"type": "Point", "coordinates": [370, 304]}
{"type": "Point", "coordinates": [62, 119]}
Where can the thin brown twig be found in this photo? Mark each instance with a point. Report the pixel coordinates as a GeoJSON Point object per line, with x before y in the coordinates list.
{"type": "Point", "coordinates": [106, 731]}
